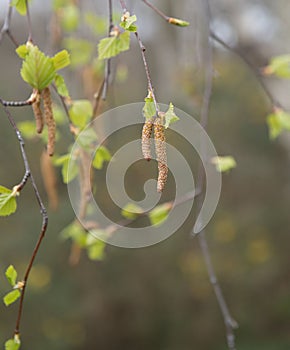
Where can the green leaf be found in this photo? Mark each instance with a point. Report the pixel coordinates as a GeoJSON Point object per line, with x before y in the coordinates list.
{"type": "Point", "coordinates": [178, 22]}
{"type": "Point", "coordinates": [278, 122]}
{"type": "Point", "coordinates": [37, 69]}
{"type": "Point", "coordinates": [280, 66]}
{"type": "Point", "coordinates": [70, 17]}
{"type": "Point", "coordinates": [97, 24]}
{"type": "Point", "coordinates": [27, 129]}
{"type": "Point", "coordinates": [59, 115]}
{"type": "Point", "coordinates": [58, 4]}
{"type": "Point", "coordinates": [170, 116]}
{"type": "Point", "coordinates": [11, 297]}
{"type": "Point", "coordinates": [131, 211]}
{"type": "Point", "coordinates": [69, 168]}
{"type": "Point", "coordinates": [159, 214]}
{"type": "Point", "coordinates": [20, 6]}
{"type": "Point", "coordinates": [81, 112]}
{"type": "Point", "coordinates": [128, 23]}
{"type": "Point", "coordinates": [11, 275]}
{"type": "Point", "coordinates": [61, 85]}
{"type": "Point", "coordinates": [13, 344]}
{"type": "Point", "coordinates": [76, 233]}
{"type": "Point", "coordinates": [149, 110]}
{"type": "Point", "coordinates": [102, 155]}
{"type": "Point", "coordinates": [80, 51]}
{"type": "Point", "coordinates": [8, 203]}
{"type": "Point", "coordinates": [87, 138]}
{"type": "Point", "coordinates": [224, 164]}
{"type": "Point", "coordinates": [61, 60]}
{"type": "Point", "coordinates": [22, 51]}
{"type": "Point", "coordinates": [110, 47]}
{"type": "Point", "coordinates": [95, 248]}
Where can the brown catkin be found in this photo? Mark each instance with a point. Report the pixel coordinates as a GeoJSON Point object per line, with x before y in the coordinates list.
{"type": "Point", "coordinates": [146, 139]}
{"type": "Point", "coordinates": [37, 112]}
{"type": "Point", "coordinates": [49, 120]}
{"type": "Point", "coordinates": [49, 179]}
{"type": "Point", "coordinates": [160, 149]}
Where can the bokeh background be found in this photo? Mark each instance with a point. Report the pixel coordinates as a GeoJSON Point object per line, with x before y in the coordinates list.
{"type": "Point", "coordinates": [160, 297]}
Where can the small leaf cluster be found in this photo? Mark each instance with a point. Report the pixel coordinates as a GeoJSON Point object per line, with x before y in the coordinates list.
{"type": "Point", "coordinates": [8, 204]}
{"type": "Point", "coordinates": [224, 164]}
{"type": "Point", "coordinates": [12, 296]}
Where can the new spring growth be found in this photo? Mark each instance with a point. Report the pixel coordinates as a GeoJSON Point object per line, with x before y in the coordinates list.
{"type": "Point", "coordinates": [160, 149]}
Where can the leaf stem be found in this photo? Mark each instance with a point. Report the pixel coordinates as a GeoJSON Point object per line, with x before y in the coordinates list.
{"type": "Point", "coordinates": [28, 22]}
{"type": "Point", "coordinates": [6, 26]}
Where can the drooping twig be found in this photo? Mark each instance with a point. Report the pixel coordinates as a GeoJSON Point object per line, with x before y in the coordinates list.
{"type": "Point", "coordinates": [6, 26]}
{"type": "Point", "coordinates": [230, 324]}
{"type": "Point", "coordinates": [254, 70]}
{"type": "Point", "coordinates": [146, 66]}
{"type": "Point", "coordinates": [27, 175]}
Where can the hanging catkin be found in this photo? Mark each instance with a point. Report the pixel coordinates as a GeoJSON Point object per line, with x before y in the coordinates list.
{"type": "Point", "coordinates": [49, 179]}
{"type": "Point", "coordinates": [146, 139]}
{"type": "Point", "coordinates": [160, 149]}
{"type": "Point", "coordinates": [37, 112]}
{"type": "Point", "coordinates": [49, 120]}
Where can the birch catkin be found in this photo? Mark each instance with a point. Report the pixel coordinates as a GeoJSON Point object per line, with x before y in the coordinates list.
{"type": "Point", "coordinates": [37, 112]}
{"type": "Point", "coordinates": [160, 149]}
{"type": "Point", "coordinates": [146, 139]}
{"type": "Point", "coordinates": [49, 120]}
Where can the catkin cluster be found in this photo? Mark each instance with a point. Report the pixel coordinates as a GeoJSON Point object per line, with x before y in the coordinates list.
{"type": "Point", "coordinates": [160, 148]}
{"type": "Point", "coordinates": [48, 118]}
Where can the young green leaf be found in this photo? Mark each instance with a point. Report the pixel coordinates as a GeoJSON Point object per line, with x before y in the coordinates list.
{"type": "Point", "coordinates": [27, 129]}
{"type": "Point", "coordinates": [11, 275]}
{"type": "Point", "coordinates": [280, 66]}
{"type": "Point", "coordinates": [11, 297]}
{"type": "Point", "coordinates": [20, 6]}
{"type": "Point", "coordinates": [61, 85]}
{"type": "Point", "coordinates": [81, 112]}
{"type": "Point", "coordinates": [224, 164]}
{"type": "Point", "coordinates": [170, 116]}
{"type": "Point", "coordinates": [149, 110]}
{"type": "Point", "coordinates": [8, 203]}
{"type": "Point", "coordinates": [277, 122]}
{"type": "Point", "coordinates": [102, 155]}
{"type": "Point", "coordinates": [37, 69]}
{"type": "Point", "coordinates": [97, 24]}
{"type": "Point", "coordinates": [13, 344]}
{"type": "Point", "coordinates": [128, 22]}
{"type": "Point", "coordinates": [131, 211]}
{"type": "Point", "coordinates": [80, 51]}
{"type": "Point", "coordinates": [76, 233]}
{"type": "Point", "coordinates": [159, 214]}
{"type": "Point", "coordinates": [95, 248]}
{"type": "Point", "coordinates": [69, 168]}
{"type": "Point", "coordinates": [22, 51]}
{"type": "Point", "coordinates": [70, 18]}
{"type": "Point", "coordinates": [61, 60]}
{"type": "Point", "coordinates": [113, 46]}
{"type": "Point", "coordinates": [87, 139]}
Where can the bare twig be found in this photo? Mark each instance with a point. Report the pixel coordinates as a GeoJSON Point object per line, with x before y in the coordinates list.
{"type": "Point", "coordinates": [6, 26]}
{"type": "Point", "coordinates": [254, 70]}
{"type": "Point", "coordinates": [27, 175]}
{"type": "Point", "coordinates": [159, 12]}
{"type": "Point", "coordinates": [28, 22]}
{"type": "Point", "coordinates": [146, 66]}
{"type": "Point", "coordinates": [230, 324]}
{"type": "Point", "coordinates": [27, 102]}
{"type": "Point", "coordinates": [108, 63]}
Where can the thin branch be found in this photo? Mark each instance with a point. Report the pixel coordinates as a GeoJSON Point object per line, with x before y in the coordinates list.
{"type": "Point", "coordinates": [230, 324]}
{"type": "Point", "coordinates": [6, 26]}
{"type": "Point", "coordinates": [159, 12]}
{"type": "Point", "coordinates": [27, 175]}
{"type": "Point", "coordinates": [28, 22]}
{"type": "Point", "coordinates": [27, 102]}
{"type": "Point", "coordinates": [108, 63]}
{"type": "Point", "coordinates": [146, 66]}
{"type": "Point", "coordinates": [97, 99]}
{"type": "Point", "coordinates": [254, 70]}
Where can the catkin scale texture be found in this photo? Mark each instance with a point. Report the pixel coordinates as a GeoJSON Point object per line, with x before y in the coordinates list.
{"type": "Point", "coordinates": [160, 149]}
{"type": "Point", "coordinates": [37, 113]}
{"type": "Point", "coordinates": [146, 139]}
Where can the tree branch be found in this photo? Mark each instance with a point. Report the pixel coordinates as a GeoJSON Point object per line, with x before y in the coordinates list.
{"type": "Point", "coordinates": [27, 175]}
{"type": "Point", "coordinates": [6, 26]}
{"type": "Point", "coordinates": [28, 22]}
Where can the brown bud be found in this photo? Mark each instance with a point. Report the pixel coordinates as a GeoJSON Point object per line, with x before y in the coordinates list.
{"type": "Point", "coordinates": [37, 112]}
{"type": "Point", "coordinates": [146, 139]}
{"type": "Point", "coordinates": [49, 120]}
{"type": "Point", "coordinates": [160, 149]}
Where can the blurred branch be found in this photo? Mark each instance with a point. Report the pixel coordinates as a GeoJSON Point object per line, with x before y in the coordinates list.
{"type": "Point", "coordinates": [28, 22]}
{"type": "Point", "coordinates": [145, 63]}
{"type": "Point", "coordinates": [230, 324]}
{"type": "Point", "coordinates": [254, 70]}
{"type": "Point", "coordinates": [6, 26]}
{"type": "Point", "coordinates": [27, 175]}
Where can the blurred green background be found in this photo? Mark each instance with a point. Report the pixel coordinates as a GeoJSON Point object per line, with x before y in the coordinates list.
{"type": "Point", "coordinates": [160, 297]}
